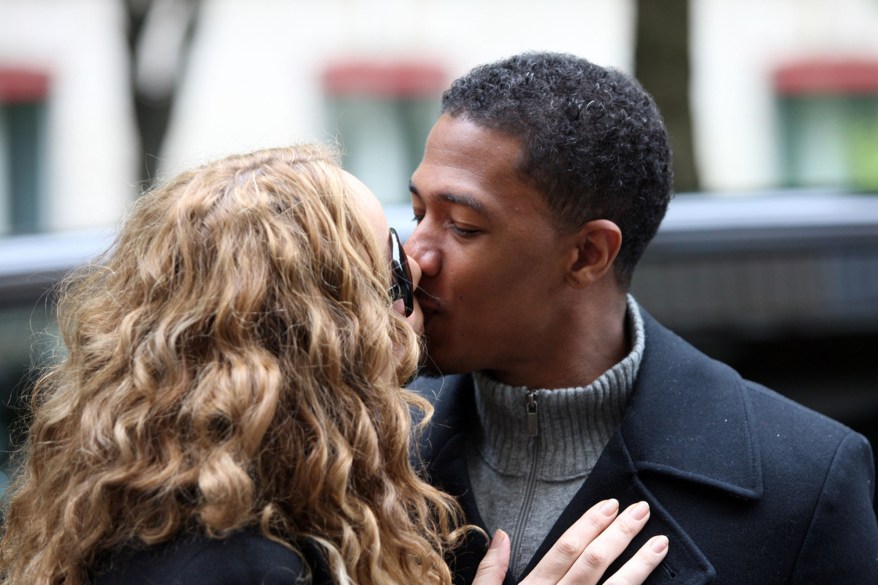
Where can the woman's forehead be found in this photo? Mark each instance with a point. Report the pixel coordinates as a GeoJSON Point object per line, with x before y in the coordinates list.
{"type": "Point", "coordinates": [371, 208]}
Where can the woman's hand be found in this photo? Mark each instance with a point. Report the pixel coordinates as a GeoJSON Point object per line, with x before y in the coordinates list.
{"type": "Point", "coordinates": [584, 552]}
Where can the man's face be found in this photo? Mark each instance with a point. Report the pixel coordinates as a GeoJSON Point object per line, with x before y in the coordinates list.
{"type": "Point", "coordinates": [492, 261]}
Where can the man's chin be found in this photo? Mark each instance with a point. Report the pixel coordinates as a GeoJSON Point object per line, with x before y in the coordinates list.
{"type": "Point", "coordinates": [433, 366]}
{"type": "Point", "coordinates": [429, 369]}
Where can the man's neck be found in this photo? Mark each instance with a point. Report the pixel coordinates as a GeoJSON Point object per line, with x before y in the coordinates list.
{"type": "Point", "coordinates": [585, 344]}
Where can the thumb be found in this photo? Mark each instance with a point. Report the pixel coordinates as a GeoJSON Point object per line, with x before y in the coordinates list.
{"type": "Point", "coordinates": [493, 567]}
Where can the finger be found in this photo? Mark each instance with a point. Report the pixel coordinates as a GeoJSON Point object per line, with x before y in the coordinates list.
{"type": "Point", "coordinates": [608, 545]}
{"type": "Point", "coordinates": [569, 548]}
{"type": "Point", "coordinates": [492, 569]}
{"type": "Point", "coordinates": [639, 567]}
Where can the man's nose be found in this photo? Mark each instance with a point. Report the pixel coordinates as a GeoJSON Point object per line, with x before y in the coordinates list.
{"type": "Point", "coordinates": [415, 269]}
{"type": "Point", "coordinates": [426, 257]}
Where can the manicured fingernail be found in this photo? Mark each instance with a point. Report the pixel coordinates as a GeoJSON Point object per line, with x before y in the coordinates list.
{"type": "Point", "coordinates": [659, 544]}
{"type": "Point", "coordinates": [639, 510]}
{"type": "Point", "coordinates": [499, 535]}
{"type": "Point", "coordinates": [610, 507]}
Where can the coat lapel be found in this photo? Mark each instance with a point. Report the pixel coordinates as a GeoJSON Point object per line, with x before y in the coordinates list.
{"type": "Point", "coordinates": [688, 419]}
{"type": "Point", "coordinates": [451, 466]}
{"type": "Point", "coordinates": [443, 449]}
{"type": "Point", "coordinates": [686, 409]}
{"type": "Point", "coordinates": [615, 476]}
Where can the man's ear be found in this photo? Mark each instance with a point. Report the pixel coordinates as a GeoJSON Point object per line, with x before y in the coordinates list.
{"type": "Point", "coordinates": [596, 245]}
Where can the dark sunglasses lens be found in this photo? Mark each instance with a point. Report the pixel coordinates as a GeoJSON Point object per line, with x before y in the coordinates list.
{"type": "Point", "coordinates": [402, 287]}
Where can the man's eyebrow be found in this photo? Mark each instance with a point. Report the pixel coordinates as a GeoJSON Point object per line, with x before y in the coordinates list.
{"type": "Point", "coordinates": [466, 201]}
{"type": "Point", "coordinates": [457, 199]}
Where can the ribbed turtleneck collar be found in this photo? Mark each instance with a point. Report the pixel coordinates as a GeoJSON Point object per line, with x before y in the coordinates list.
{"type": "Point", "coordinates": [574, 423]}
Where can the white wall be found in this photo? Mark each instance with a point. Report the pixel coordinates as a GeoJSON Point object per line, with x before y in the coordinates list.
{"type": "Point", "coordinates": [255, 78]}
{"type": "Point", "coordinates": [79, 43]}
{"type": "Point", "coordinates": [254, 75]}
{"type": "Point", "coordinates": [736, 47]}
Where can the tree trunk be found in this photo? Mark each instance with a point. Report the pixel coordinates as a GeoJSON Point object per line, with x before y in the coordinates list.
{"type": "Point", "coordinates": [153, 104]}
{"type": "Point", "coordinates": [662, 65]}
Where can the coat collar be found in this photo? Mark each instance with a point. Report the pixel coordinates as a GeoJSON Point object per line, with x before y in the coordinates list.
{"type": "Point", "coordinates": [685, 410]}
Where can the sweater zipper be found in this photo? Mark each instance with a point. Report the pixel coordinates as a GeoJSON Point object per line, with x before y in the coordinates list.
{"type": "Point", "coordinates": [533, 431]}
{"type": "Point", "coordinates": [533, 421]}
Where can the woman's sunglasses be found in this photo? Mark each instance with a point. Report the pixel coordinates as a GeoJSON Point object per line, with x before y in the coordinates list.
{"type": "Point", "coordinates": [401, 286]}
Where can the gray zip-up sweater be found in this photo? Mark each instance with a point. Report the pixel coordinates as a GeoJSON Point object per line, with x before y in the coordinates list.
{"type": "Point", "coordinates": [534, 448]}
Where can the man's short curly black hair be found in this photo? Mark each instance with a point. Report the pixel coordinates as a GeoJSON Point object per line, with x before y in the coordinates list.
{"type": "Point", "coordinates": [593, 140]}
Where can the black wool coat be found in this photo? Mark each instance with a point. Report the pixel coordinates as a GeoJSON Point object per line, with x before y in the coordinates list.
{"type": "Point", "coordinates": [244, 558]}
{"type": "Point", "coordinates": [750, 487]}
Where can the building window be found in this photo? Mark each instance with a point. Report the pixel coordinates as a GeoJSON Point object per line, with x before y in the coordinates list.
{"type": "Point", "coordinates": [828, 114]}
{"type": "Point", "coordinates": [381, 113]}
{"type": "Point", "coordinates": [22, 131]}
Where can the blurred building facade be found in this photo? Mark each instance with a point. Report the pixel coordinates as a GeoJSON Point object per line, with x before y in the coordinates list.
{"type": "Point", "coordinates": [784, 93]}
{"type": "Point", "coordinates": [267, 72]}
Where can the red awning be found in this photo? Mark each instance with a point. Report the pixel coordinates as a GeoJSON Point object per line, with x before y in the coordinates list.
{"type": "Point", "coordinates": [22, 85]}
{"type": "Point", "coordinates": [848, 76]}
{"type": "Point", "coordinates": [393, 79]}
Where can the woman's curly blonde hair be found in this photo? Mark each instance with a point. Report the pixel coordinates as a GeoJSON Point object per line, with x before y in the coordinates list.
{"type": "Point", "coordinates": [233, 361]}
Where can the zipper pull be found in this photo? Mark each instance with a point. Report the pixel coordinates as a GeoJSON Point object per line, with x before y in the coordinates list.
{"type": "Point", "coordinates": [533, 421]}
